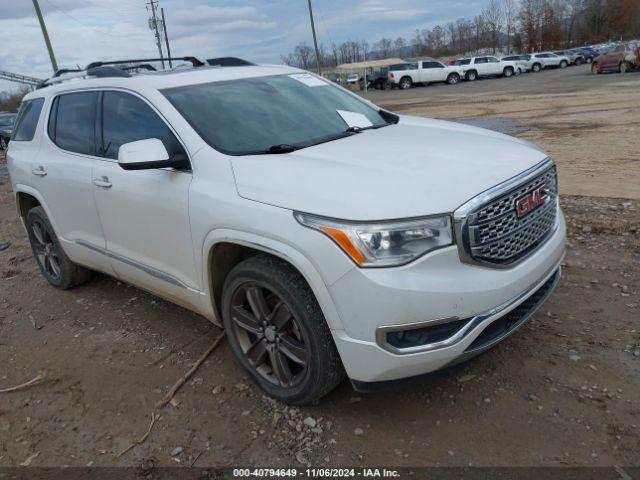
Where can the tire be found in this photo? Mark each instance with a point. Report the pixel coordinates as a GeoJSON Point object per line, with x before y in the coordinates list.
{"type": "Point", "coordinates": [579, 61]}
{"type": "Point", "coordinates": [589, 60]}
{"type": "Point", "coordinates": [54, 264]}
{"type": "Point", "coordinates": [293, 334]}
{"type": "Point", "coordinates": [518, 71]}
{"type": "Point", "coordinates": [507, 72]}
{"type": "Point", "coordinates": [595, 69]}
{"type": "Point", "coordinates": [471, 76]}
{"type": "Point", "coordinates": [625, 67]}
{"type": "Point", "coordinates": [536, 67]}
{"type": "Point", "coordinates": [3, 143]}
{"type": "Point", "coordinates": [453, 79]}
{"type": "Point", "coordinates": [564, 64]}
{"type": "Point", "coordinates": [405, 83]}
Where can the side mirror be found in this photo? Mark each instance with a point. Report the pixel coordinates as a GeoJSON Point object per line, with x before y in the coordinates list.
{"type": "Point", "coordinates": [148, 154]}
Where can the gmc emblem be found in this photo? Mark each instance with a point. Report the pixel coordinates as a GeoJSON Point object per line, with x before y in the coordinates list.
{"type": "Point", "coordinates": [532, 200]}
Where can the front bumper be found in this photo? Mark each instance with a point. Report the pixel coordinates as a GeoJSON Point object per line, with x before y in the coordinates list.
{"type": "Point", "coordinates": [436, 287]}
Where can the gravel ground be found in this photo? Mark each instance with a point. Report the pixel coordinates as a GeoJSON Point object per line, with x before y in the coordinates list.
{"type": "Point", "coordinates": [565, 390]}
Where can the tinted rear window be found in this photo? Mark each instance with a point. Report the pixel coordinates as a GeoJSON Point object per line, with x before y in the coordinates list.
{"type": "Point", "coordinates": [28, 120]}
{"type": "Point", "coordinates": [75, 122]}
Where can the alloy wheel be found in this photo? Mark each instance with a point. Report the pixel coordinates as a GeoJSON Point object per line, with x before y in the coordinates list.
{"type": "Point", "coordinates": [269, 334]}
{"type": "Point", "coordinates": [46, 250]}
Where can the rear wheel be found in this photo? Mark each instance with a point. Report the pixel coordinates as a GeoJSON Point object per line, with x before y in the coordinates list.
{"type": "Point", "coordinates": [277, 331]}
{"type": "Point", "coordinates": [405, 83]}
{"type": "Point", "coordinates": [564, 64]}
{"type": "Point", "coordinates": [507, 72]}
{"type": "Point", "coordinates": [579, 61]}
{"type": "Point", "coordinates": [472, 76]}
{"type": "Point", "coordinates": [453, 78]}
{"type": "Point", "coordinates": [536, 67]}
{"type": "Point", "coordinates": [54, 264]}
{"type": "Point", "coordinates": [625, 67]}
{"type": "Point", "coordinates": [3, 143]}
{"type": "Point", "coordinates": [595, 69]}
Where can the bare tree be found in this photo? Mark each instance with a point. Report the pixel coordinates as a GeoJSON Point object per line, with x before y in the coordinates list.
{"type": "Point", "coordinates": [510, 13]}
{"type": "Point", "coordinates": [493, 16]}
{"type": "Point", "coordinates": [385, 46]}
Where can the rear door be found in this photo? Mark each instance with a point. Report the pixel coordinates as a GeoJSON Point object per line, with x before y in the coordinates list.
{"type": "Point", "coordinates": [145, 213]}
{"type": "Point", "coordinates": [62, 175]}
{"type": "Point", "coordinates": [481, 66]}
{"type": "Point", "coordinates": [494, 67]}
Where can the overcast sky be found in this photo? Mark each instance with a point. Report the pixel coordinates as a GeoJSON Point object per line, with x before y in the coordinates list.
{"type": "Point", "coordinates": [86, 30]}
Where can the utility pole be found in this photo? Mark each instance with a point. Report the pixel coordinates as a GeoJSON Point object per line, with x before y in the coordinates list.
{"type": "Point", "coordinates": [315, 40]}
{"type": "Point", "coordinates": [166, 37]}
{"type": "Point", "coordinates": [153, 25]}
{"type": "Point", "coordinates": [54, 64]}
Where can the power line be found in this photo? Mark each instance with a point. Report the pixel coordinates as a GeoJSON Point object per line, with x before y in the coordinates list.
{"type": "Point", "coordinates": [102, 32]}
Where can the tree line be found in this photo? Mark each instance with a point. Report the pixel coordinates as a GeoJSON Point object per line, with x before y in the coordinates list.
{"type": "Point", "coordinates": [508, 26]}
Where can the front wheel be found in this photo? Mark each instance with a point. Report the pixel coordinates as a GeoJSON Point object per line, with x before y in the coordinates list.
{"type": "Point", "coordinates": [54, 264]}
{"type": "Point", "coordinates": [536, 67]}
{"type": "Point", "coordinates": [3, 143]}
{"type": "Point", "coordinates": [453, 79]}
{"type": "Point", "coordinates": [507, 72]}
{"type": "Point", "coordinates": [472, 76]}
{"type": "Point", "coordinates": [595, 69]}
{"type": "Point", "coordinates": [625, 67]}
{"type": "Point", "coordinates": [277, 331]}
{"type": "Point", "coordinates": [579, 61]}
{"type": "Point", "coordinates": [563, 64]}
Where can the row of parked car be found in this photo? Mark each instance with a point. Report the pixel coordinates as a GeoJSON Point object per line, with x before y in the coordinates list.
{"type": "Point", "coordinates": [621, 56]}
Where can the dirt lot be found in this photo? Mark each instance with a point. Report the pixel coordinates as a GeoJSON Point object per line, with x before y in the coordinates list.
{"type": "Point", "coordinates": [565, 390]}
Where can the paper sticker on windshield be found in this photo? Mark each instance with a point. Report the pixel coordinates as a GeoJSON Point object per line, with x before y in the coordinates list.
{"type": "Point", "coordinates": [353, 119]}
{"type": "Point", "coordinates": [309, 80]}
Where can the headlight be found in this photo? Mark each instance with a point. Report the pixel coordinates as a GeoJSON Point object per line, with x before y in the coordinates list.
{"type": "Point", "coordinates": [384, 244]}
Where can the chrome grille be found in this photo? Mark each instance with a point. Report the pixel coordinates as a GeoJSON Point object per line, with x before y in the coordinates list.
{"type": "Point", "coordinates": [491, 233]}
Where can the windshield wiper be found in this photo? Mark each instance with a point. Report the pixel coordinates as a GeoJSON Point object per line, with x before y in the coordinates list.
{"type": "Point", "coordinates": [275, 149]}
{"type": "Point", "coordinates": [361, 129]}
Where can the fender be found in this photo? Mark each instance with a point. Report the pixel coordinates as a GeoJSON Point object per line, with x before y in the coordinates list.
{"type": "Point", "coordinates": [22, 188]}
{"type": "Point", "coordinates": [278, 249]}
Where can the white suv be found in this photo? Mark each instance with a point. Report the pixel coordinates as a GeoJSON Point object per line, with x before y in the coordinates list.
{"type": "Point", "coordinates": [327, 235]}
{"type": "Point", "coordinates": [546, 60]}
{"type": "Point", "coordinates": [479, 67]}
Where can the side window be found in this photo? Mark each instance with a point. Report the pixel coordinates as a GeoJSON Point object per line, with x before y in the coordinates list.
{"type": "Point", "coordinates": [27, 120]}
{"type": "Point", "coordinates": [126, 118]}
{"type": "Point", "coordinates": [492, 60]}
{"type": "Point", "coordinates": [481, 60]}
{"type": "Point", "coordinates": [426, 65]}
{"type": "Point", "coordinates": [74, 127]}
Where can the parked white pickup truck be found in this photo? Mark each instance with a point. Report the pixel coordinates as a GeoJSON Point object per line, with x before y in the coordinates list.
{"type": "Point", "coordinates": [477, 67]}
{"type": "Point", "coordinates": [425, 72]}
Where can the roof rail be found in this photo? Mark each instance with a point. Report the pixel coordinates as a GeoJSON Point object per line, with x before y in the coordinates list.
{"type": "Point", "coordinates": [194, 61]}
{"type": "Point", "coordinates": [228, 62]}
{"type": "Point", "coordinates": [102, 72]}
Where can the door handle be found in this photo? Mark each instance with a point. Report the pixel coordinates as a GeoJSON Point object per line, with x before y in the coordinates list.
{"type": "Point", "coordinates": [102, 182]}
{"type": "Point", "coordinates": [40, 171]}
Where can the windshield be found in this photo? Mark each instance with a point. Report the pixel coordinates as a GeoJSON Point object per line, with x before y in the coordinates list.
{"type": "Point", "coordinates": [7, 120]}
{"type": "Point", "coordinates": [254, 115]}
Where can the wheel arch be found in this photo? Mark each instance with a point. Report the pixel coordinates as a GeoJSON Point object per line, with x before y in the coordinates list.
{"type": "Point", "coordinates": [224, 249]}
{"type": "Point", "coordinates": [27, 198]}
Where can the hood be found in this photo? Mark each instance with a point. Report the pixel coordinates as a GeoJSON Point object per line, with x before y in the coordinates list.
{"type": "Point", "coordinates": [415, 168]}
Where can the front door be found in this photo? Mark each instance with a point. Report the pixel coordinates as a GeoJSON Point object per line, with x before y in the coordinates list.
{"type": "Point", "coordinates": [145, 213]}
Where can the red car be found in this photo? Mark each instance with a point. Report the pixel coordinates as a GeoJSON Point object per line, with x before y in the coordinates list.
{"type": "Point", "coordinates": [623, 58]}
